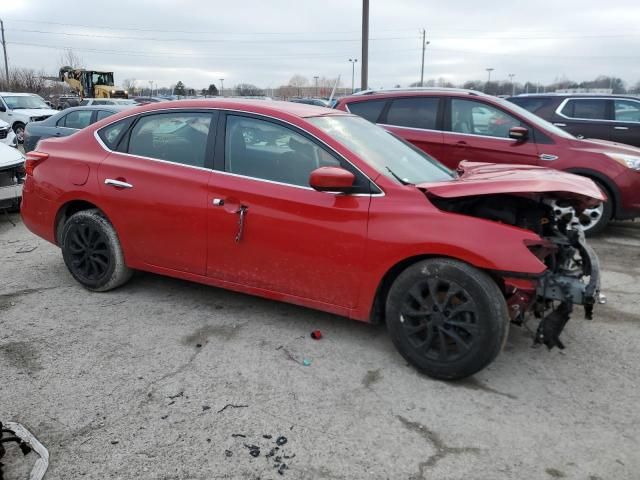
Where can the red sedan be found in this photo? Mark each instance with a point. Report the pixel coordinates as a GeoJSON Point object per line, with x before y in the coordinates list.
{"type": "Point", "coordinates": [319, 208]}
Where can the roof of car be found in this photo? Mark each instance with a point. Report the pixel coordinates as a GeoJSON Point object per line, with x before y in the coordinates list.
{"type": "Point", "coordinates": [13, 94]}
{"type": "Point", "coordinates": [113, 108]}
{"type": "Point", "coordinates": [574, 95]}
{"type": "Point", "coordinates": [411, 92]}
{"type": "Point", "coordinates": [301, 110]}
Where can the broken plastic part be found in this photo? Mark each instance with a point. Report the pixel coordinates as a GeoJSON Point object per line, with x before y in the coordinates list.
{"type": "Point", "coordinates": [27, 443]}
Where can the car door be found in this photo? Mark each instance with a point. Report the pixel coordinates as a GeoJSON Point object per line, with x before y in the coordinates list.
{"type": "Point", "coordinates": [154, 186]}
{"type": "Point", "coordinates": [626, 128]}
{"type": "Point", "coordinates": [72, 122]}
{"type": "Point", "coordinates": [418, 120]}
{"type": "Point", "coordinates": [585, 117]}
{"type": "Point", "coordinates": [478, 131]}
{"type": "Point", "coordinates": [268, 229]}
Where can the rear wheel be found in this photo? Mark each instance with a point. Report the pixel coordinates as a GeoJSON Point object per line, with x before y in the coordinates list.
{"type": "Point", "coordinates": [92, 252]}
{"type": "Point", "coordinates": [446, 318]}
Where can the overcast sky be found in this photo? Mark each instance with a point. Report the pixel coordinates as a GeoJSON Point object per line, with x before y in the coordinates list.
{"type": "Point", "coordinates": [266, 42]}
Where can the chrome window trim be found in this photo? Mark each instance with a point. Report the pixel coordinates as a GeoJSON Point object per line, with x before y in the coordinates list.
{"type": "Point", "coordinates": [410, 128]}
{"type": "Point", "coordinates": [567, 100]}
{"type": "Point", "coordinates": [221, 109]}
{"type": "Point", "coordinates": [482, 136]}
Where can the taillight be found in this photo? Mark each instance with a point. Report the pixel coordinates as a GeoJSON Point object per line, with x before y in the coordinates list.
{"type": "Point", "coordinates": [33, 160]}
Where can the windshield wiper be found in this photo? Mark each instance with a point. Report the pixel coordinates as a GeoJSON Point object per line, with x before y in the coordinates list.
{"type": "Point", "coordinates": [401, 180]}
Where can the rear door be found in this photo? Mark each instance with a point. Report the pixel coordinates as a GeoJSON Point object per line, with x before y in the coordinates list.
{"type": "Point", "coordinates": [154, 186]}
{"type": "Point", "coordinates": [586, 117]}
{"type": "Point", "coordinates": [478, 131]}
{"type": "Point", "coordinates": [268, 230]}
{"type": "Point", "coordinates": [417, 120]}
{"type": "Point", "coordinates": [626, 128]}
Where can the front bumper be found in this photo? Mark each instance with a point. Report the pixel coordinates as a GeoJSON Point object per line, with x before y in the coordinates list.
{"type": "Point", "coordinates": [8, 137]}
{"type": "Point", "coordinates": [10, 192]}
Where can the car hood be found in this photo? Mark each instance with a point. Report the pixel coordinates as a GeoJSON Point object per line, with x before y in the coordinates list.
{"type": "Point", "coordinates": [490, 179]}
{"type": "Point", "coordinates": [3, 124]}
{"type": "Point", "coordinates": [602, 146]}
{"type": "Point", "coordinates": [36, 112]}
{"type": "Point", "coordinates": [9, 156]}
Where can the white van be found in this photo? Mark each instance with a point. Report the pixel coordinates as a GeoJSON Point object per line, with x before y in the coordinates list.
{"type": "Point", "coordinates": [18, 109]}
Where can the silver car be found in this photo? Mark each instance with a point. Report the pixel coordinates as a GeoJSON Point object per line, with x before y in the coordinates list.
{"type": "Point", "coordinates": [11, 177]}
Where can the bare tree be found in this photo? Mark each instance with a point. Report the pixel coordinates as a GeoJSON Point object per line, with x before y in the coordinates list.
{"type": "Point", "coordinates": [298, 81]}
{"type": "Point", "coordinates": [68, 58]}
{"type": "Point", "coordinates": [129, 84]}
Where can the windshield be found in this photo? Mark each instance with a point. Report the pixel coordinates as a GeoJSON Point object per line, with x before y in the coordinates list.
{"type": "Point", "coordinates": [389, 155]}
{"type": "Point", "coordinates": [102, 78]}
{"type": "Point", "coordinates": [534, 119]}
{"type": "Point", "coordinates": [26, 101]}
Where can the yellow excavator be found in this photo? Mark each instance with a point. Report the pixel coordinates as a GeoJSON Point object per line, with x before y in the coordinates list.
{"type": "Point", "coordinates": [91, 83]}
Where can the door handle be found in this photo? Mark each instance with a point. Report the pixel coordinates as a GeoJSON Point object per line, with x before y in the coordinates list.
{"type": "Point", "coordinates": [461, 144]}
{"type": "Point", "coordinates": [242, 212]}
{"type": "Point", "coordinates": [560, 124]}
{"type": "Point", "coordinates": [117, 183]}
{"type": "Point", "coordinates": [621, 128]}
{"type": "Point", "coordinates": [218, 202]}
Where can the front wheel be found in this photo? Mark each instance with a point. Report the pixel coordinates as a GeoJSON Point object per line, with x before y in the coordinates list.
{"type": "Point", "coordinates": [92, 252]}
{"type": "Point", "coordinates": [446, 318]}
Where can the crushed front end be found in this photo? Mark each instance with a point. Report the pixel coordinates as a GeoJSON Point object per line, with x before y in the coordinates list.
{"type": "Point", "coordinates": [572, 276]}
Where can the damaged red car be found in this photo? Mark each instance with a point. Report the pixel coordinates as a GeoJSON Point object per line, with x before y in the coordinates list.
{"type": "Point", "coordinates": [323, 209]}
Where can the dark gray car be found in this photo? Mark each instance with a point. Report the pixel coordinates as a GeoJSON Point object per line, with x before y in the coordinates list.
{"type": "Point", "coordinates": [67, 122]}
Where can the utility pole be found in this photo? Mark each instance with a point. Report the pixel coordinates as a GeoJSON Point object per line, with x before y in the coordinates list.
{"type": "Point", "coordinates": [364, 74]}
{"type": "Point", "coordinates": [424, 47]}
{"type": "Point", "coordinates": [513, 85]}
{"type": "Point", "coordinates": [151, 88]}
{"type": "Point", "coordinates": [4, 47]}
{"type": "Point", "coordinates": [316, 80]}
{"type": "Point", "coordinates": [353, 72]}
{"type": "Point", "coordinates": [222, 87]}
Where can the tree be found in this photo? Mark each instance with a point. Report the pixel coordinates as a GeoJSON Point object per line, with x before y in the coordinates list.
{"type": "Point", "coordinates": [212, 90]}
{"type": "Point", "coordinates": [179, 89]}
{"type": "Point", "coordinates": [129, 84]}
{"type": "Point", "coordinates": [248, 90]}
{"type": "Point", "coordinates": [298, 81]}
{"type": "Point", "coordinates": [68, 58]}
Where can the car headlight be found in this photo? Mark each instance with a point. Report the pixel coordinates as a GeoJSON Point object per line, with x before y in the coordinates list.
{"type": "Point", "coordinates": [126, 92]}
{"type": "Point", "coordinates": [629, 161]}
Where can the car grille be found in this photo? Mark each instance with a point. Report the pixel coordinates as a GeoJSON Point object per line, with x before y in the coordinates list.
{"type": "Point", "coordinates": [3, 133]}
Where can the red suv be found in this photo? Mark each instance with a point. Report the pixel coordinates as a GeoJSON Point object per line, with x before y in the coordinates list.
{"type": "Point", "coordinates": [454, 125]}
{"type": "Point", "coordinates": [323, 209]}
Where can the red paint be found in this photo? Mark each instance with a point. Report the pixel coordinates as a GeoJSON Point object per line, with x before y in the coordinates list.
{"type": "Point", "coordinates": [317, 249]}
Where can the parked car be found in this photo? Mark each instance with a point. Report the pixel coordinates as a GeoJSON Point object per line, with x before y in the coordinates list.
{"type": "Point", "coordinates": [145, 100]}
{"type": "Point", "coordinates": [455, 125]}
{"type": "Point", "coordinates": [18, 109]}
{"type": "Point", "coordinates": [65, 101]}
{"type": "Point", "coordinates": [607, 117]}
{"type": "Point", "coordinates": [322, 209]}
{"type": "Point", "coordinates": [319, 102]}
{"type": "Point", "coordinates": [7, 135]}
{"type": "Point", "coordinates": [67, 122]}
{"type": "Point", "coordinates": [11, 177]}
{"type": "Point", "coordinates": [107, 101]}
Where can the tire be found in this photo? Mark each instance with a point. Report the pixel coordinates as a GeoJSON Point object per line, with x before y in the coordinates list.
{"type": "Point", "coordinates": [473, 335]}
{"type": "Point", "coordinates": [92, 252]}
{"type": "Point", "coordinates": [18, 129]}
{"type": "Point", "coordinates": [606, 213]}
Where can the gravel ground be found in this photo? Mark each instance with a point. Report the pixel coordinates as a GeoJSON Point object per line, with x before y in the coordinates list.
{"type": "Point", "coordinates": [165, 379]}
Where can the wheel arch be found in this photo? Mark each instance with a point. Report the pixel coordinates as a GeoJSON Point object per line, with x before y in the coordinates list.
{"type": "Point", "coordinates": [66, 210]}
{"type": "Point", "coordinates": [611, 189]}
{"type": "Point", "coordinates": [378, 308]}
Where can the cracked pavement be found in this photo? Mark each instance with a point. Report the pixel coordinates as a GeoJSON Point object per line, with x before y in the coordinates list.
{"type": "Point", "coordinates": [134, 383]}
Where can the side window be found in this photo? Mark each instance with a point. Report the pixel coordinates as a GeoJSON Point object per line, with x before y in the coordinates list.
{"type": "Point", "coordinates": [78, 119]}
{"type": "Point", "coordinates": [627, 110]}
{"type": "Point", "coordinates": [414, 112]}
{"type": "Point", "coordinates": [84, 102]}
{"type": "Point", "coordinates": [370, 110]}
{"type": "Point", "coordinates": [468, 116]}
{"type": "Point", "coordinates": [587, 108]}
{"type": "Point", "coordinates": [102, 114]}
{"type": "Point", "coordinates": [111, 134]}
{"type": "Point", "coordinates": [179, 137]}
{"type": "Point", "coordinates": [266, 150]}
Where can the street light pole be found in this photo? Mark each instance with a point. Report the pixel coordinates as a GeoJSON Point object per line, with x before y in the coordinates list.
{"type": "Point", "coordinates": [489, 70]}
{"type": "Point", "coordinates": [513, 85]}
{"type": "Point", "coordinates": [364, 72]}
{"type": "Point", "coordinates": [151, 88]}
{"type": "Point", "coordinates": [316, 79]}
{"type": "Point", "coordinates": [424, 47]}
{"type": "Point", "coordinates": [353, 72]}
{"type": "Point", "coordinates": [222, 87]}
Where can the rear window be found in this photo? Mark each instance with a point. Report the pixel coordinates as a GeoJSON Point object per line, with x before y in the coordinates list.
{"type": "Point", "coordinates": [413, 112]}
{"type": "Point", "coordinates": [369, 110]}
{"type": "Point", "coordinates": [111, 134]}
{"type": "Point", "coordinates": [587, 108]}
{"type": "Point", "coordinates": [532, 104]}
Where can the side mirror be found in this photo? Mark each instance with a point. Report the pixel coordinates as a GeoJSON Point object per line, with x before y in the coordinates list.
{"type": "Point", "coordinates": [2, 108]}
{"type": "Point", "coordinates": [331, 179]}
{"type": "Point", "coordinates": [519, 133]}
